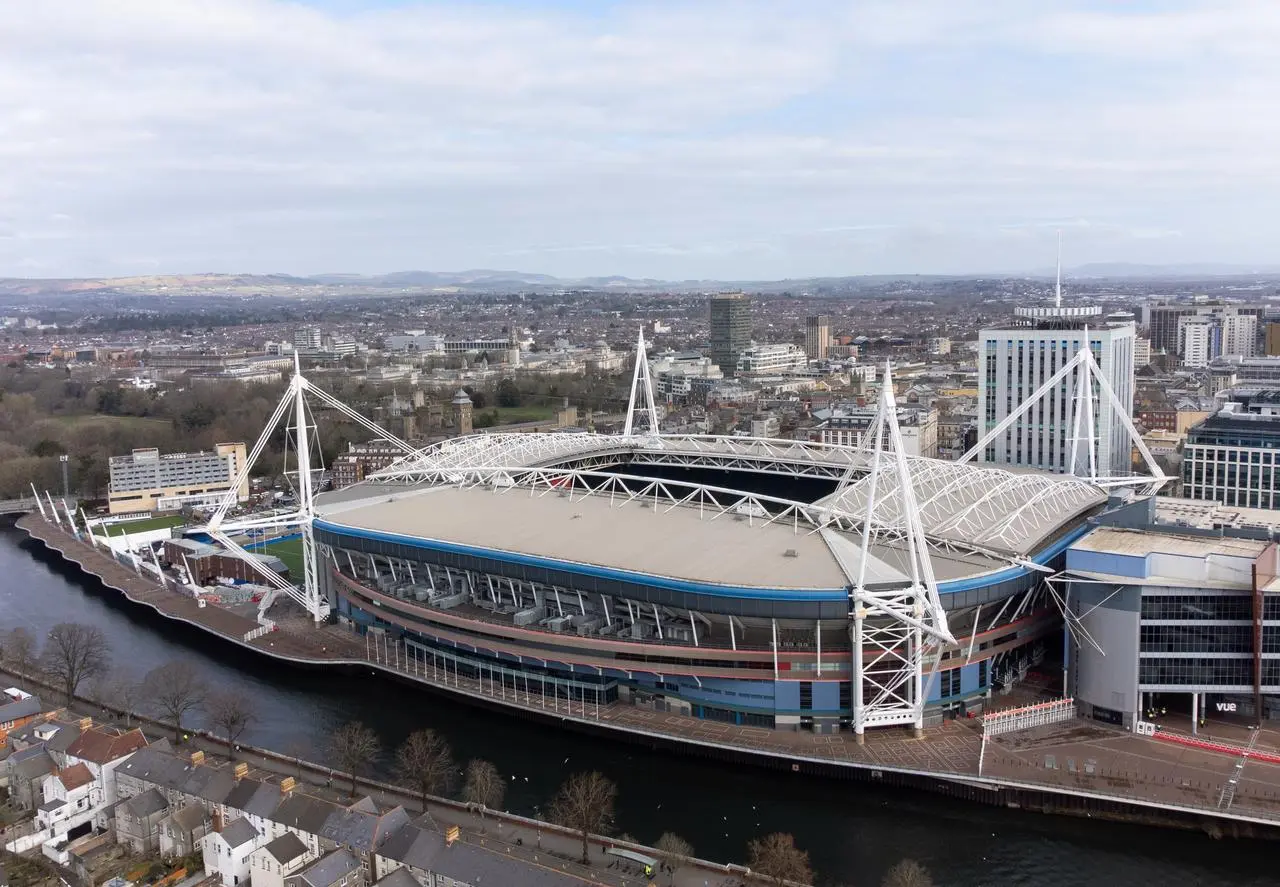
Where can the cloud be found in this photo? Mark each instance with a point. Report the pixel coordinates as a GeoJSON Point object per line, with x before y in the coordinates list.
{"type": "Point", "coordinates": [730, 139]}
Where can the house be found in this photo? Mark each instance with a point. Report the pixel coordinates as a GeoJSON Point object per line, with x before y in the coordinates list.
{"type": "Point", "coordinates": [182, 779]}
{"type": "Point", "coordinates": [304, 816]}
{"type": "Point", "coordinates": [400, 878]}
{"type": "Point", "coordinates": [17, 709]}
{"type": "Point", "coordinates": [278, 859]}
{"type": "Point", "coordinates": [338, 868]}
{"type": "Point", "coordinates": [102, 750]}
{"type": "Point", "coordinates": [54, 733]}
{"type": "Point", "coordinates": [434, 860]}
{"type": "Point", "coordinates": [250, 798]}
{"type": "Point", "coordinates": [362, 828]}
{"type": "Point", "coordinates": [138, 820]}
{"type": "Point", "coordinates": [227, 852]}
{"type": "Point", "coordinates": [26, 771]}
{"type": "Point", "coordinates": [183, 829]}
{"type": "Point", "coordinates": [70, 798]}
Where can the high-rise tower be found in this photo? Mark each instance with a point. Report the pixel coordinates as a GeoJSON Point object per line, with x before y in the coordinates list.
{"type": "Point", "coordinates": [1016, 360]}
{"type": "Point", "coordinates": [817, 336]}
{"type": "Point", "coordinates": [730, 329]}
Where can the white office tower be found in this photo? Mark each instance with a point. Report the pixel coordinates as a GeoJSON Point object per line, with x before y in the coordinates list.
{"type": "Point", "coordinates": [1016, 361]}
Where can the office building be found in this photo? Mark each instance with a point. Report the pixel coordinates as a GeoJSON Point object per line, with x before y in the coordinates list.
{"type": "Point", "coordinates": [307, 339]}
{"type": "Point", "coordinates": [1169, 598]}
{"type": "Point", "coordinates": [1199, 340]}
{"type": "Point", "coordinates": [145, 480]}
{"type": "Point", "coordinates": [771, 360]}
{"type": "Point", "coordinates": [940, 345]}
{"type": "Point", "coordinates": [1239, 334]}
{"type": "Point", "coordinates": [1271, 338]}
{"type": "Point", "coordinates": [1141, 351]}
{"type": "Point", "coordinates": [846, 425]}
{"type": "Point", "coordinates": [730, 329]}
{"type": "Point", "coordinates": [1232, 456]}
{"type": "Point", "coordinates": [817, 336]}
{"type": "Point", "coordinates": [1164, 323]}
{"type": "Point", "coordinates": [1015, 361]}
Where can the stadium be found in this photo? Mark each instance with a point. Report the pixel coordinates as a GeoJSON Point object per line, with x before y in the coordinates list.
{"type": "Point", "coordinates": [773, 583]}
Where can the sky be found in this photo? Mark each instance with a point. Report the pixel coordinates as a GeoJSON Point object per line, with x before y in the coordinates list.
{"type": "Point", "coordinates": [676, 140]}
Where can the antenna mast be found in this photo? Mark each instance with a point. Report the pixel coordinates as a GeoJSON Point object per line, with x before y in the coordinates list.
{"type": "Point", "coordinates": [1057, 290]}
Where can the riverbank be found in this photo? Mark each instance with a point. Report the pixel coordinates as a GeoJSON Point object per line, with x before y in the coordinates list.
{"type": "Point", "coordinates": [539, 843]}
{"type": "Point", "coordinates": [1119, 776]}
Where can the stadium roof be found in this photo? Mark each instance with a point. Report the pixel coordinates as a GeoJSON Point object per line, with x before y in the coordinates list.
{"type": "Point", "coordinates": [497, 493]}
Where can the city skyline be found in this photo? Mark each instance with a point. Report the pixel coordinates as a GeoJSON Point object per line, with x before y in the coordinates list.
{"type": "Point", "coordinates": [735, 141]}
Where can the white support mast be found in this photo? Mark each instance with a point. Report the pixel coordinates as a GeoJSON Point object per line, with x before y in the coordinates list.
{"type": "Point", "coordinates": [641, 393]}
{"type": "Point", "coordinates": [894, 622]}
{"type": "Point", "coordinates": [294, 412]}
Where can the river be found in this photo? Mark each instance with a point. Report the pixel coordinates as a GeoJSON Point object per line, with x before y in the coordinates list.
{"type": "Point", "coordinates": [853, 832]}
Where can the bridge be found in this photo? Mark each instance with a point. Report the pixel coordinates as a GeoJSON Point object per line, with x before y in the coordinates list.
{"type": "Point", "coordinates": [18, 506]}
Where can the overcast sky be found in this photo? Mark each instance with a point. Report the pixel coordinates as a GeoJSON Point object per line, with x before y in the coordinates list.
{"type": "Point", "coordinates": [662, 139]}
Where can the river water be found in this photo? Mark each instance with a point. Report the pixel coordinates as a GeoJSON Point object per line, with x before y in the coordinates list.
{"type": "Point", "coordinates": [853, 832]}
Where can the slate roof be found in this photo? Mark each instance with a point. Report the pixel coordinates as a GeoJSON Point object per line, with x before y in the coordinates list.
{"type": "Point", "coordinates": [190, 817]}
{"type": "Point", "coordinates": [254, 797]}
{"type": "Point", "coordinates": [304, 813]}
{"type": "Point", "coordinates": [75, 776]}
{"type": "Point", "coordinates": [239, 833]}
{"type": "Point", "coordinates": [102, 746]}
{"type": "Point", "coordinates": [328, 869]}
{"type": "Point", "coordinates": [286, 848]}
{"type": "Point", "coordinates": [146, 804]}
{"type": "Point", "coordinates": [167, 770]}
{"type": "Point", "coordinates": [399, 878]}
{"type": "Point", "coordinates": [66, 734]}
{"type": "Point", "coordinates": [30, 763]}
{"type": "Point", "coordinates": [426, 850]}
{"type": "Point", "coordinates": [355, 827]}
{"type": "Point", "coordinates": [23, 708]}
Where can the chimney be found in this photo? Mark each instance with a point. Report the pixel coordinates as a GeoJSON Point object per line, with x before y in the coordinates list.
{"type": "Point", "coordinates": [197, 758]}
{"type": "Point", "coordinates": [241, 771]}
{"type": "Point", "coordinates": [217, 819]}
{"type": "Point", "coordinates": [287, 785]}
{"type": "Point", "coordinates": [451, 834]}
{"type": "Point", "coordinates": [86, 723]}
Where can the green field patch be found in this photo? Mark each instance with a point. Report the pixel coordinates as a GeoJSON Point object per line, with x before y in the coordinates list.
{"type": "Point", "coordinates": [140, 526]}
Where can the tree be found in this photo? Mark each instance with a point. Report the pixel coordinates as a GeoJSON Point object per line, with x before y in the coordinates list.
{"type": "Point", "coordinates": [907, 873]}
{"type": "Point", "coordinates": [673, 849]}
{"type": "Point", "coordinates": [776, 856]}
{"type": "Point", "coordinates": [175, 689]}
{"type": "Point", "coordinates": [73, 653]}
{"type": "Point", "coordinates": [20, 650]}
{"type": "Point", "coordinates": [484, 785]}
{"type": "Point", "coordinates": [231, 713]}
{"type": "Point", "coordinates": [354, 746]}
{"type": "Point", "coordinates": [426, 761]}
{"type": "Point", "coordinates": [121, 690]}
{"type": "Point", "coordinates": [585, 804]}
{"type": "Point", "coordinates": [508, 393]}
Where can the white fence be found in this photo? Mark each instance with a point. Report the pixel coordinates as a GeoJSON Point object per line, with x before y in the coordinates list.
{"type": "Point", "coordinates": [1011, 720]}
{"type": "Point", "coordinates": [254, 634]}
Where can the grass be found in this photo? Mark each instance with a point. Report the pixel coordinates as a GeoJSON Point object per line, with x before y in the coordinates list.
{"type": "Point", "coordinates": [141, 526]}
{"type": "Point", "coordinates": [289, 551]}
{"type": "Point", "coordinates": [514, 415]}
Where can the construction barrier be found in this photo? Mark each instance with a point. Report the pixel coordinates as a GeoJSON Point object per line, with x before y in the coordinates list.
{"type": "Point", "coordinates": [1219, 747]}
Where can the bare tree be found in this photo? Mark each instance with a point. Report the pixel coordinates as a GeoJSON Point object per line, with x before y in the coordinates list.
{"type": "Point", "coordinates": [74, 653]}
{"type": "Point", "coordinates": [585, 804]}
{"type": "Point", "coordinates": [907, 873]}
{"type": "Point", "coordinates": [297, 748]}
{"type": "Point", "coordinates": [20, 650]}
{"type": "Point", "coordinates": [354, 746]}
{"type": "Point", "coordinates": [673, 849]}
{"type": "Point", "coordinates": [426, 761]}
{"type": "Point", "coordinates": [119, 689]}
{"type": "Point", "coordinates": [231, 713]}
{"type": "Point", "coordinates": [484, 785]}
{"type": "Point", "coordinates": [175, 689]}
{"type": "Point", "coordinates": [777, 857]}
